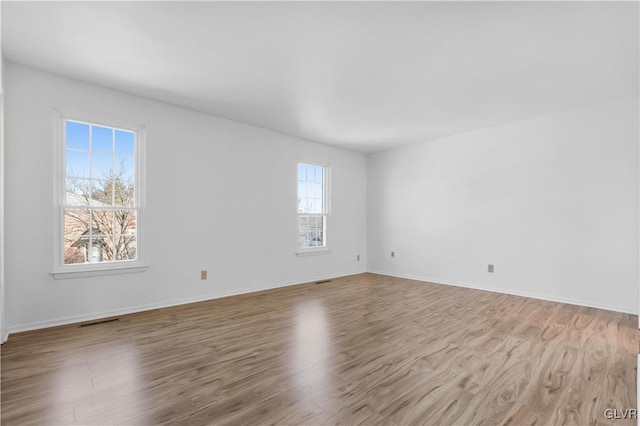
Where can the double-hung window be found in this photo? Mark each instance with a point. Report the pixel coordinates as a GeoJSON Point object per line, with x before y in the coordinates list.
{"type": "Point", "coordinates": [99, 193]}
{"type": "Point", "coordinates": [313, 207]}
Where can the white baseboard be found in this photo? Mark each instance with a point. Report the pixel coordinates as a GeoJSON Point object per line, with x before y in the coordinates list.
{"type": "Point", "coordinates": [165, 304]}
{"type": "Point", "coordinates": [570, 301]}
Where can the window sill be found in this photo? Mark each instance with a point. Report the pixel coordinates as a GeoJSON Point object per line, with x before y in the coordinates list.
{"type": "Point", "coordinates": [86, 272]}
{"type": "Point", "coordinates": [313, 252]}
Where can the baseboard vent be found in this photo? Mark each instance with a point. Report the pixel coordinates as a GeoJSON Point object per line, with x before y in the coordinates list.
{"type": "Point", "coordinates": [99, 322]}
{"type": "Point", "coordinates": [323, 281]}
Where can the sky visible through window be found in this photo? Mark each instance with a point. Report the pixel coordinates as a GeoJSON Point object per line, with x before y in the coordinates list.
{"type": "Point", "coordinates": [310, 189]}
{"type": "Point", "coordinates": [100, 148]}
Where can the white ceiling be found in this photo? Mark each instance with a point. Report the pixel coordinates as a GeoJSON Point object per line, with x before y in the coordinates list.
{"type": "Point", "coordinates": [365, 76]}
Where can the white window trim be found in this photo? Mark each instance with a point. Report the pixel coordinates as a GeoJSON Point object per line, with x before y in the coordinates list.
{"type": "Point", "coordinates": [60, 270]}
{"type": "Point", "coordinates": [310, 251]}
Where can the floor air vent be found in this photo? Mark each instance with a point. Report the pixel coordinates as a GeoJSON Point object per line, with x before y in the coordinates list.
{"type": "Point", "coordinates": [99, 322]}
{"type": "Point", "coordinates": [323, 281]}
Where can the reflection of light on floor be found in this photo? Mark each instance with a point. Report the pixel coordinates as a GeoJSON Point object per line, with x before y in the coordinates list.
{"type": "Point", "coordinates": [68, 383]}
{"type": "Point", "coordinates": [310, 349]}
{"type": "Point", "coordinates": [113, 371]}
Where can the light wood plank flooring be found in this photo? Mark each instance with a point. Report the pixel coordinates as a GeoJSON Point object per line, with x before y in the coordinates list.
{"type": "Point", "coordinates": [365, 349]}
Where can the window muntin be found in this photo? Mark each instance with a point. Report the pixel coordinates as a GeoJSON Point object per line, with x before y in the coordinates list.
{"type": "Point", "coordinates": [313, 206]}
{"type": "Point", "coordinates": [100, 200]}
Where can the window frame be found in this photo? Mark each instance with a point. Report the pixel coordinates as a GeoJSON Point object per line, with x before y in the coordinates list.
{"type": "Point", "coordinates": [326, 202]}
{"type": "Point", "coordinates": [60, 269]}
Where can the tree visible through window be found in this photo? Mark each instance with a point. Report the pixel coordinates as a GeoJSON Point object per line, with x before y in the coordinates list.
{"type": "Point", "coordinates": [100, 207]}
{"type": "Point", "coordinates": [312, 206]}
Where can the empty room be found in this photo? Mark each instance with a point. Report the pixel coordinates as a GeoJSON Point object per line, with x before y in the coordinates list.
{"type": "Point", "coordinates": [319, 213]}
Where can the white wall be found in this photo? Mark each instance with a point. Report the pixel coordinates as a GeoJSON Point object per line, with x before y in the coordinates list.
{"type": "Point", "coordinates": [3, 328]}
{"type": "Point", "coordinates": [221, 196]}
{"type": "Point", "coordinates": [551, 201]}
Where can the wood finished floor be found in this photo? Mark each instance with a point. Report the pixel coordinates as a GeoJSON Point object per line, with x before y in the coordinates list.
{"type": "Point", "coordinates": [365, 349]}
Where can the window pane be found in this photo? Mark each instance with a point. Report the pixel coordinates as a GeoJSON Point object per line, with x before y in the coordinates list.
{"type": "Point", "coordinates": [124, 194]}
{"type": "Point", "coordinates": [101, 139]}
{"type": "Point", "coordinates": [77, 135]}
{"type": "Point", "coordinates": [77, 192]}
{"type": "Point", "coordinates": [77, 164]}
{"type": "Point", "coordinates": [311, 221]}
{"type": "Point", "coordinates": [125, 222]}
{"type": "Point", "coordinates": [309, 189]}
{"type": "Point", "coordinates": [302, 193]}
{"type": "Point", "coordinates": [125, 143]}
{"type": "Point", "coordinates": [125, 247]}
{"type": "Point", "coordinates": [102, 222]}
{"type": "Point", "coordinates": [303, 231]}
{"type": "Point", "coordinates": [101, 249]}
{"type": "Point", "coordinates": [75, 250]}
{"type": "Point", "coordinates": [316, 232]}
{"type": "Point", "coordinates": [305, 205]}
{"type": "Point", "coordinates": [315, 206]}
{"type": "Point", "coordinates": [102, 166]}
{"type": "Point", "coordinates": [102, 194]}
{"type": "Point", "coordinates": [76, 221]}
{"type": "Point", "coordinates": [319, 174]}
{"type": "Point", "coordinates": [125, 169]}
